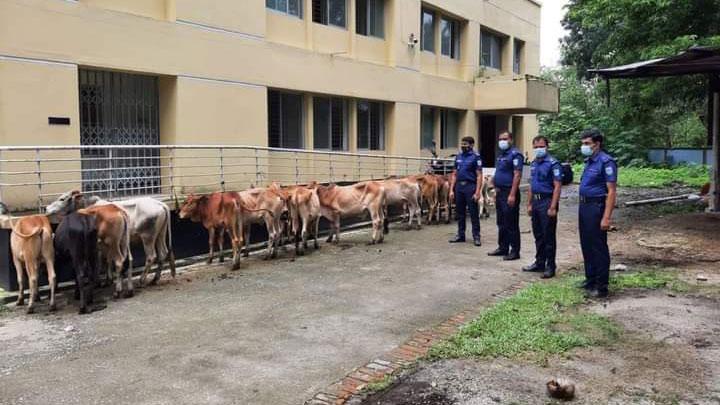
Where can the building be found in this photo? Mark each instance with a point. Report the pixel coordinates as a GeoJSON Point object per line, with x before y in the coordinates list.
{"type": "Point", "coordinates": [368, 76]}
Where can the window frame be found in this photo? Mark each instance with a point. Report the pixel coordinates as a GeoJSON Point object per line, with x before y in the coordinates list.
{"type": "Point", "coordinates": [455, 39]}
{"type": "Point", "coordinates": [426, 11]}
{"type": "Point", "coordinates": [381, 119]}
{"type": "Point", "coordinates": [444, 112]}
{"type": "Point", "coordinates": [500, 44]}
{"type": "Point", "coordinates": [287, 8]}
{"type": "Point", "coordinates": [369, 6]}
{"type": "Point", "coordinates": [345, 127]}
{"type": "Point", "coordinates": [324, 18]}
{"type": "Point", "coordinates": [423, 110]}
{"type": "Point", "coordinates": [518, 49]}
{"type": "Point", "coordinates": [301, 119]}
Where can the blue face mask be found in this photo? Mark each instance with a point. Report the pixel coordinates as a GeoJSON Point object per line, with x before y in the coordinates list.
{"type": "Point", "coordinates": [586, 150]}
{"type": "Point", "coordinates": [504, 145]}
{"type": "Point", "coordinates": [540, 153]}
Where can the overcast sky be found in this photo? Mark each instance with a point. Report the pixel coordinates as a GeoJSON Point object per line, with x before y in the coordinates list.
{"type": "Point", "coordinates": [551, 31]}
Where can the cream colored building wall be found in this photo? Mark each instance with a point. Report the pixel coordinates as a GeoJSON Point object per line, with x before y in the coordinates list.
{"type": "Point", "coordinates": [157, 9]}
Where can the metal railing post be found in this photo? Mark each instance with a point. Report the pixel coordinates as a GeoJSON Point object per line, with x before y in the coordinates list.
{"type": "Point", "coordinates": [257, 168]}
{"type": "Point", "coordinates": [385, 167]}
{"type": "Point", "coordinates": [113, 180]}
{"type": "Point", "coordinates": [2, 178]}
{"type": "Point", "coordinates": [359, 167]}
{"type": "Point", "coordinates": [407, 166]}
{"type": "Point", "coordinates": [332, 169]}
{"type": "Point", "coordinates": [222, 172]}
{"type": "Point", "coordinates": [171, 171]}
{"type": "Point", "coordinates": [39, 176]}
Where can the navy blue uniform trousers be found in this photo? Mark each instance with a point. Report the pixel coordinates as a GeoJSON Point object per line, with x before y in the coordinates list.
{"type": "Point", "coordinates": [508, 220]}
{"type": "Point", "coordinates": [463, 202]}
{"type": "Point", "coordinates": [544, 230]}
{"type": "Point", "coordinates": [593, 242]}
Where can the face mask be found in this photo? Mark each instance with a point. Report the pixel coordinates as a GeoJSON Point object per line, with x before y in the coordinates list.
{"type": "Point", "coordinates": [465, 149]}
{"type": "Point", "coordinates": [504, 145]}
{"type": "Point", "coordinates": [540, 152]}
{"type": "Point", "coordinates": [586, 150]}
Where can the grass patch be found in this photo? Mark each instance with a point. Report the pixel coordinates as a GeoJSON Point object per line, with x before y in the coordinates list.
{"type": "Point", "coordinates": [650, 280]}
{"type": "Point", "coordinates": [657, 177]}
{"type": "Point", "coordinates": [378, 386]}
{"type": "Point", "coordinates": [538, 321]}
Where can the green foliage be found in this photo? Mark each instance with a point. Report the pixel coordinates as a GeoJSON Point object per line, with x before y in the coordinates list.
{"type": "Point", "coordinates": [656, 177]}
{"type": "Point", "coordinates": [378, 386]}
{"type": "Point", "coordinates": [649, 280]}
{"type": "Point", "coordinates": [538, 321]}
{"type": "Point", "coordinates": [666, 112]}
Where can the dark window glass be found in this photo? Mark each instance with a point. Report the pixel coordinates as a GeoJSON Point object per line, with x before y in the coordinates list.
{"type": "Point", "coordinates": [329, 12]}
{"type": "Point", "coordinates": [449, 128]}
{"type": "Point", "coordinates": [370, 18]}
{"type": "Point", "coordinates": [285, 120]}
{"type": "Point", "coordinates": [517, 57]}
{"type": "Point", "coordinates": [371, 125]}
{"type": "Point", "coordinates": [491, 50]}
{"type": "Point", "coordinates": [427, 132]}
{"type": "Point", "coordinates": [450, 38]}
{"type": "Point", "coordinates": [291, 7]}
{"type": "Point", "coordinates": [428, 31]}
{"type": "Point", "coordinates": [329, 123]}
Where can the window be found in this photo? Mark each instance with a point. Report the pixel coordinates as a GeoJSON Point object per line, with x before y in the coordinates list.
{"type": "Point", "coordinates": [449, 128]}
{"type": "Point", "coordinates": [517, 56]}
{"type": "Point", "coordinates": [285, 113]}
{"type": "Point", "coordinates": [491, 50]}
{"type": "Point", "coordinates": [450, 37]}
{"type": "Point", "coordinates": [329, 123]}
{"type": "Point", "coordinates": [428, 31]}
{"type": "Point", "coordinates": [371, 18]}
{"type": "Point", "coordinates": [329, 12]}
{"type": "Point", "coordinates": [291, 7]}
{"type": "Point", "coordinates": [371, 125]}
{"type": "Point", "coordinates": [427, 132]}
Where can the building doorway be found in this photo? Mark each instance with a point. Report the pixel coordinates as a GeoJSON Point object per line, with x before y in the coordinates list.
{"type": "Point", "coordinates": [488, 139]}
{"type": "Point", "coordinates": [119, 109]}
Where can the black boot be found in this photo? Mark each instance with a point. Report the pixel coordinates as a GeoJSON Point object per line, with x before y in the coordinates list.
{"type": "Point", "coordinates": [533, 268]}
{"type": "Point", "coordinates": [549, 273]}
{"type": "Point", "coordinates": [457, 239]}
{"type": "Point", "coordinates": [512, 256]}
{"type": "Point", "coordinates": [597, 293]}
{"type": "Point", "coordinates": [586, 285]}
{"type": "Point", "coordinates": [476, 242]}
{"type": "Point", "coordinates": [498, 252]}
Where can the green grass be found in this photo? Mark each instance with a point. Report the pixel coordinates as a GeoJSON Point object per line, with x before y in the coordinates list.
{"type": "Point", "coordinates": [381, 385]}
{"type": "Point", "coordinates": [657, 177]}
{"type": "Point", "coordinates": [540, 320]}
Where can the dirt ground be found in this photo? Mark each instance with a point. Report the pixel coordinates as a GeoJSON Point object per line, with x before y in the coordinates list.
{"type": "Point", "coordinates": [668, 353]}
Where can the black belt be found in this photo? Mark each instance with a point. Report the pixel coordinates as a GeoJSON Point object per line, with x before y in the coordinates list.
{"type": "Point", "coordinates": [590, 200]}
{"type": "Point", "coordinates": [541, 196]}
{"type": "Point", "coordinates": [466, 182]}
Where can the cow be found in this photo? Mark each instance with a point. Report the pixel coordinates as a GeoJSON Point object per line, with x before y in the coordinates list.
{"type": "Point", "coordinates": [31, 243]}
{"type": "Point", "coordinates": [403, 192]}
{"type": "Point", "coordinates": [263, 205]}
{"type": "Point", "coordinates": [342, 201]}
{"type": "Point", "coordinates": [444, 196]}
{"type": "Point", "coordinates": [113, 237]}
{"type": "Point", "coordinates": [149, 223]}
{"type": "Point", "coordinates": [429, 193]}
{"type": "Point", "coordinates": [304, 207]}
{"type": "Point", "coordinates": [76, 241]}
{"type": "Point", "coordinates": [487, 196]}
{"type": "Point", "coordinates": [218, 214]}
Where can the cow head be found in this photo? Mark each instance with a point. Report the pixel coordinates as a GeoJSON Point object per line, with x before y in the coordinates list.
{"type": "Point", "coordinates": [191, 207]}
{"type": "Point", "coordinates": [67, 203]}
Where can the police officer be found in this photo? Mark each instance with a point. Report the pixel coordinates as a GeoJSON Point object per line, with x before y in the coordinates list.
{"type": "Point", "coordinates": [598, 188]}
{"type": "Point", "coordinates": [543, 200]}
{"type": "Point", "coordinates": [465, 187]}
{"type": "Point", "coordinates": [508, 172]}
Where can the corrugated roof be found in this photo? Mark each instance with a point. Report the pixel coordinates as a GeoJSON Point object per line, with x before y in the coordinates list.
{"type": "Point", "coordinates": [696, 60]}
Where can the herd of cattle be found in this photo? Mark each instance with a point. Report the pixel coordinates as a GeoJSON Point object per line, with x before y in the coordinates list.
{"type": "Point", "coordinates": [95, 233]}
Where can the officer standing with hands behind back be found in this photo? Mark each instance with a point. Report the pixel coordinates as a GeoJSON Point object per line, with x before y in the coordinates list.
{"type": "Point", "coordinates": [543, 200]}
{"type": "Point", "coordinates": [465, 187]}
{"type": "Point", "coordinates": [598, 193]}
{"type": "Point", "coordinates": [508, 173]}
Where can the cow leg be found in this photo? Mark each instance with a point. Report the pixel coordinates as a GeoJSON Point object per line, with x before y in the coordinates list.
{"type": "Point", "coordinates": [246, 240]}
{"type": "Point", "coordinates": [336, 229]}
{"type": "Point", "coordinates": [21, 288]}
{"type": "Point", "coordinates": [221, 244]}
{"type": "Point", "coordinates": [117, 277]}
{"type": "Point", "coordinates": [119, 263]}
{"type": "Point", "coordinates": [80, 275]}
{"type": "Point", "coordinates": [48, 255]}
{"type": "Point", "coordinates": [304, 236]}
{"type": "Point", "coordinates": [149, 247]}
{"type": "Point", "coordinates": [32, 271]}
{"type": "Point", "coordinates": [211, 243]}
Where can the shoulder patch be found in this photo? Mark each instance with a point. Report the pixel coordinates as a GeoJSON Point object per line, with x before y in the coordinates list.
{"type": "Point", "coordinates": [609, 170]}
{"type": "Point", "coordinates": [556, 172]}
{"type": "Point", "coordinates": [516, 161]}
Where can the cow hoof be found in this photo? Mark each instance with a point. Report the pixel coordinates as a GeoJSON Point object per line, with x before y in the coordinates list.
{"type": "Point", "coordinates": [20, 303]}
{"type": "Point", "coordinates": [209, 261]}
{"type": "Point", "coordinates": [235, 267]}
{"type": "Point", "coordinates": [222, 259]}
{"type": "Point", "coordinates": [246, 254]}
{"type": "Point", "coordinates": [154, 281]}
{"type": "Point", "coordinates": [129, 294]}
{"type": "Point", "coordinates": [317, 247]}
{"type": "Point", "coordinates": [30, 310]}
{"type": "Point", "coordinates": [53, 307]}
{"type": "Point", "coordinates": [116, 294]}
{"type": "Point", "coordinates": [84, 311]}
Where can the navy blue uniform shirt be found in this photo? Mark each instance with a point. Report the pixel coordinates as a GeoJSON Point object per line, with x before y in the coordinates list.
{"type": "Point", "coordinates": [543, 174]}
{"type": "Point", "coordinates": [508, 163]}
{"type": "Point", "coordinates": [599, 170]}
{"type": "Point", "coordinates": [467, 165]}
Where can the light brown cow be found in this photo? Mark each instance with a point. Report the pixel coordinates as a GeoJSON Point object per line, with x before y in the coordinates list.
{"type": "Point", "coordinates": [444, 202]}
{"type": "Point", "coordinates": [113, 232]}
{"type": "Point", "coordinates": [263, 205]}
{"type": "Point", "coordinates": [304, 207]}
{"type": "Point", "coordinates": [345, 201]}
{"type": "Point", "coordinates": [487, 196]}
{"type": "Point", "coordinates": [218, 213]}
{"type": "Point", "coordinates": [429, 190]}
{"type": "Point", "coordinates": [404, 192]}
{"type": "Point", "coordinates": [31, 243]}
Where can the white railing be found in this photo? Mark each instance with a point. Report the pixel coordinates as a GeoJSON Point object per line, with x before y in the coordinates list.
{"type": "Point", "coordinates": [33, 176]}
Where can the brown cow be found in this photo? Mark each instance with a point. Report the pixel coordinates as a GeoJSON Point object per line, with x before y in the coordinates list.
{"type": "Point", "coordinates": [113, 233]}
{"type": "Point", "coordinates": [31, 243]}
{"type": "Point", "coordinates": [444, 196]}
{"type": "Point", "coordinates": [304, 206]}
{"type": "Point", "coordinates": [429, 189]}
{"type": "Point", "coordinates": [263, 205]}
{"type": "Point", "coordinates": [404, 192]}
{"type": "Point", "coordinates": [340, 201]}
{"type": "Point", "coordinates": [218, 213]}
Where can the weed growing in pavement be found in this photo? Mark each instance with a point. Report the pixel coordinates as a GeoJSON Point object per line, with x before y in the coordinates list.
{"type": "Point", "coordinates": [381, 385]}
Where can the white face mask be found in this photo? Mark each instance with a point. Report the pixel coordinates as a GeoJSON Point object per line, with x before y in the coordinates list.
{"type": "Point", "coordinates": [540, 153]}
{"type": "Point", "coordinates": [504, 145]}
{"type": "Point", "coordinates": [586, 150]}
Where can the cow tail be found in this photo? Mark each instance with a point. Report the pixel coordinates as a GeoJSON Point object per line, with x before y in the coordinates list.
{"type": "Point", "coordinates": [169, 255]}
{"type": "Point", "coordinates": [24, 235]}
{"type": "Point", "coordinates": [126, 237]}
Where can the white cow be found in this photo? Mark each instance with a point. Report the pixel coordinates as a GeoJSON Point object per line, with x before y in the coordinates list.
{"type": "Point", "coordinates": [149, 222]}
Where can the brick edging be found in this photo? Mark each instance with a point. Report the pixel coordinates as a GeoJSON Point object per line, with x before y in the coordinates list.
{"type": "Point", "coordinates": [400, 358]}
